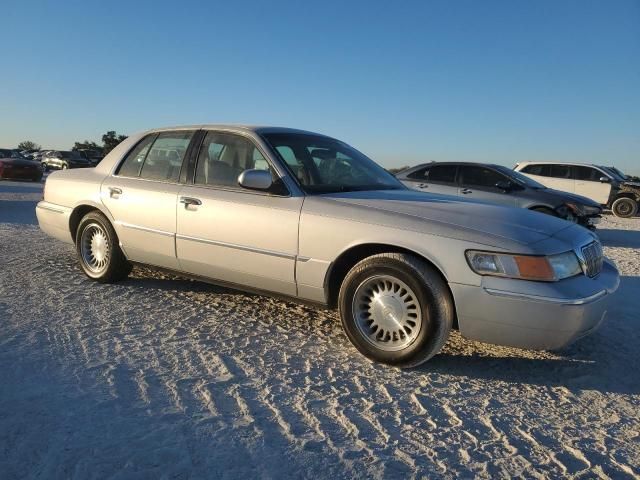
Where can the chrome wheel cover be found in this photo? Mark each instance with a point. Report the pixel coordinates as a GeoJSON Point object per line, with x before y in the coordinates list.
{"type": "Point", "coordinates": [94, 248]}
{"type": "Point", "coordinates": [387, 312]}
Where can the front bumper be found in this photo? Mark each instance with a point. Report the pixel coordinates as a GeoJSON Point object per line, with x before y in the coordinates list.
{"type": "Point", "coordinates": [534, 315]}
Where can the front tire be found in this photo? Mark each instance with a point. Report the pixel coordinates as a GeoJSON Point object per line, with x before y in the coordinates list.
{"type": "Point", "coordinates": [98, 250]}
{"type": "Point", "coordinates": [396, 309]}
{"type": "Point", "coordinates": [624, 207]}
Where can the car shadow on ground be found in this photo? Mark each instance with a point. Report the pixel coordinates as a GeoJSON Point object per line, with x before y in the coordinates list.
{"type": "Point", "coordinates": [619, 238]}
{"type": "Point", "coordinates": [21, 212]}
{"type": "Point", "coordinates": [593, 363]}
{"type": "Point", "coordinates": [601, 361]}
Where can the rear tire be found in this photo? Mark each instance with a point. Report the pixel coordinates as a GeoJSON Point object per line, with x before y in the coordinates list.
{"type": "Point", "coordinates": [98, 250]}
{"type": "Point", "coordinates": [396, 309]}
{"type": "Point", "coordinates": [624, 207]}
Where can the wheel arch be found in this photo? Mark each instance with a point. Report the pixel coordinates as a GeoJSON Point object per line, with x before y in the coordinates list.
{"type": "Point", "coordinates": [626, 194]}
{"type": "Point", "coordinates": [339, 268]}
{"type": "Point", "coordinates": [539, 206]}
{"type": "Point", "coordinates": [79, 211]}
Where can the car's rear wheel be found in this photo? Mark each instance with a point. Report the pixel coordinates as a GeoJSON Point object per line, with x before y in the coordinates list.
{"type": "Point", "coordinates": [396, 309]}
{"type": "Point", "coordinates": [624, 207]}
{"type": "Point", "coordinates": [98, 250]}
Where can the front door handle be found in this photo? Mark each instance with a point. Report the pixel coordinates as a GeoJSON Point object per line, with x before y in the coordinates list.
{"type": "Point", "coordinates": [423, 185]}
{"type": "Point", "coordinates": [114, 191]}
{"type": "Point", "coordinates": [190, 201]}
{"type": "Point", "coordinates": [466, 190]}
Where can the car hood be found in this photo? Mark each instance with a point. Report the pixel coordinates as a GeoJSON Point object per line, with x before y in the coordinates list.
{"type": "Point", "coordinates": [452, 217]}
{"type": "Point", "coordinates": [562, 197]}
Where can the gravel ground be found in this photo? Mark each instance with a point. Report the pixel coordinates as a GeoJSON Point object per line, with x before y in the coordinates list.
{"type": "Point", "coordinates": [161, 377]}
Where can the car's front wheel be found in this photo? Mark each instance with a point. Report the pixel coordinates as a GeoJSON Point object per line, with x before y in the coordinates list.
{"type": "Point", "coordinates": [396, 309]}
{"type": "Point", "coordinates": [98, 250]}
{"type": "Point", "coordinates": [624, 207]}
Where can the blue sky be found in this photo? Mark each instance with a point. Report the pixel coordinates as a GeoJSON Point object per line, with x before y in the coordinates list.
{"type": "Point", "coordinates": [405, 82]}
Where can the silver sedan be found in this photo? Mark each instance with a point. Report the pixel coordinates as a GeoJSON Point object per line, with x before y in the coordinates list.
{"type": "Point", "coordinates": [304, 215]}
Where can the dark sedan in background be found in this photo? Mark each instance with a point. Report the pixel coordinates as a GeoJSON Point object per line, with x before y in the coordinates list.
{"type": "Point", "coordinates": [15, 166]}
{"type": "Point", "coordinates": [63, 159]}
{"type": "Point", "coordinates": [501, 185]}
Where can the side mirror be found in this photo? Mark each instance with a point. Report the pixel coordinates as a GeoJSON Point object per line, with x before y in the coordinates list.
{"type": "Point", "coordinates": [255, 179]}
{"type": "Point", "coordinates": [604, 180]}
{"type": "Point", "coordinates": [504, 186]}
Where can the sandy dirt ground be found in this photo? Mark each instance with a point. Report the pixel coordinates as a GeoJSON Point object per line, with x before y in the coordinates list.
{"type": "Point", "coordinates": [161, 377]}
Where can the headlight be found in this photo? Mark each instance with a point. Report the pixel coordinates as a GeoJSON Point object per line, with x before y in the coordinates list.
{"type": "Point", "coordinates": [575, 208]}
{"type": "Point", "coordinates": [525, 267]}
{"type": "Point", "coordinates": [582, 210]}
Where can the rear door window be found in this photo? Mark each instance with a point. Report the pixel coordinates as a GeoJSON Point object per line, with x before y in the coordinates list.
{"type": "Point", "coordinates": [560, 171]}
{"type": "Point", "coordinates": [443, 174]}
{"type": "Point", "coordinates": [164, 160]}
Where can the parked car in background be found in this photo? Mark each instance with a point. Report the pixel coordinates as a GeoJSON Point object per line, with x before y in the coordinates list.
{"type": "Point", "coordinates": [14, 166]}
{"type": "Point", "coordinates": [37, 156]}
{"type": "Point", "coordinates": [63, 159]}
{"type": "Point", "coordinates": [599, 183]}
{"type": "Point", "coordinates": [93, 156]}
{"type": "Point", "coordinates": [501, 185]}
{"type": "Point", "coordinates": [306, 216]}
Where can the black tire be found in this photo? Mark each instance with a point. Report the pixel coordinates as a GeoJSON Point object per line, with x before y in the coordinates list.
{"type": "Point", "coordinates": [116, 267]}
{"type": "Point", "coordinates": [624, 207]}
{"type": "Point", "coordinates": [431, 293]}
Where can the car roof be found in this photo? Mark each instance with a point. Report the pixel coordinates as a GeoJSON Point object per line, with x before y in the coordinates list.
{"type": "Point", "coordinates": [475, 164]}
{"type": "Point", "coordinates": [259, 129]}
{"type": "Point", "coordinates": [580, 164]}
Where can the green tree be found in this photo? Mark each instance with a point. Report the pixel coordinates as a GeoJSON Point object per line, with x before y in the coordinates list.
{"type": "Point", "coordinates": [110, 140]}
{"type": "Point", "coordinates": [28, 145]}
{"type": "Point", "coordinates": [86, 145]}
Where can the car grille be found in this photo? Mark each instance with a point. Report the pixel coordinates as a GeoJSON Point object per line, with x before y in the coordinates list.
{"type": "Point", "coordinates": [593, 258]}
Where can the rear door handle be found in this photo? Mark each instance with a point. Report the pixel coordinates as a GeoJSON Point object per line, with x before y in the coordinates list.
{"type": "Point", "coordinates": [190, 201]}
{"type": "Point", "coordinates": [423, 185]}
{"type": "Point", "coordinates": [114, 191]}
{"type": "Point", "coordinates": [466, 190]}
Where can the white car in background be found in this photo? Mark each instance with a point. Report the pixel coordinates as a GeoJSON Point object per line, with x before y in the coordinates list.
{"type": "Point", "coordinates": [602, 184]}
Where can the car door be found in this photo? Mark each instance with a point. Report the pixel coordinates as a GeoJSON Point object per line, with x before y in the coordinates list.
{"type": "Point", "coordinates": [588, 183]}
{"type": "Point", "coordinates": [441, 178]}
{"type": "Point", "coordinates": [229, 233]}
{"type": "Point", "coordinates": [479, 183]}
{"type": "Point", "coordinates": [142, 197]}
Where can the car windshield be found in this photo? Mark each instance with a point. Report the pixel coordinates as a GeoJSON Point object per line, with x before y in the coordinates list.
{"type": "Point", "coordinates": [325, 165]}
{"type": "Point", "coordinates": [520, 178]}
{"type": "Point", "coordinates": [615, 173]}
